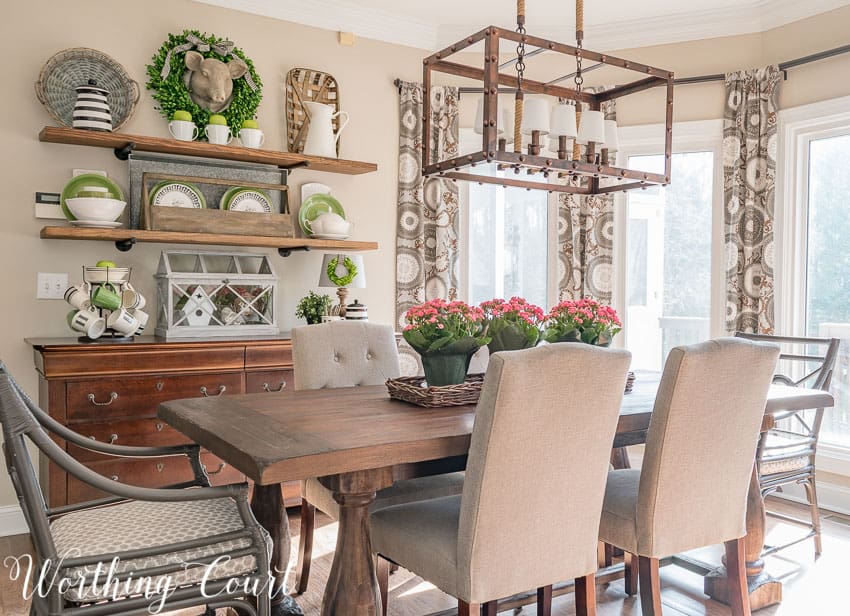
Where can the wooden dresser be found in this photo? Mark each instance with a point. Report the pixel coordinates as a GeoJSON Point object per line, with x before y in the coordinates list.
{"type": "Point", "coordinates": [110, 392]}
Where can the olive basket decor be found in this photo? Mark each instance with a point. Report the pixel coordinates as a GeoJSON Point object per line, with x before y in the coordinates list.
{"type": "Point", "coordinates": [194, 72]}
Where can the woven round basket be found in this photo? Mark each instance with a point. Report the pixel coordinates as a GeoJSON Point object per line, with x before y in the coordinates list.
{"type": "Point", "coordinates": [68, 69]}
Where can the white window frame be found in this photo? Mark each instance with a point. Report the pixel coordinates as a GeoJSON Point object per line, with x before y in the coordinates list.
{"type": "Point", "coordinates": [797, 128]}
{"type": "Point", "coordinates": [469, 138]}
{"type": "Point", "coordinates": [697, 136]}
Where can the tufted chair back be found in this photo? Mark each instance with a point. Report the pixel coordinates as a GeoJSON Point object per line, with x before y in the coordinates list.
{"type": "Point", "coordinates": [344, 354]}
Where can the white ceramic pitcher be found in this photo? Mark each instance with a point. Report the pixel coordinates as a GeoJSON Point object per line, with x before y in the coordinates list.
{"type": "Point", "coordinates": [321, 140]}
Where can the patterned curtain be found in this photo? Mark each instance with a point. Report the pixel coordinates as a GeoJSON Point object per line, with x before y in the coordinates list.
{"type": "Point", "coordinates": [427, 252]}
{"type": "Point", "coordinates": [749, 178]}
{"type": "Point", "coordinates": [586, 240]}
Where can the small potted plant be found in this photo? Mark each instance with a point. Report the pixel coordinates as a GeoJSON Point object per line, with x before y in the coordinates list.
{"type": "Point", "coordinates": [446, 335]}
{"type": "Point", "coordinates": [584, 320]}
{"type": "Point", "coordinates": [513, 324]}
{"type": "Point", "coordinates": [312, 306]}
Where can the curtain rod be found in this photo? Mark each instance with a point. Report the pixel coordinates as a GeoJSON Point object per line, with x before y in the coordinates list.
{"type": "Point", "coordinates": [682, 81]}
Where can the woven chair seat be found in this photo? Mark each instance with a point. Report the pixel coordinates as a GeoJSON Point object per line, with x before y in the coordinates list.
{"type": "Point", "coordinates": [141, 524]}
{"type": "Point", "coordinates": [787, 465]}
{"type": "Point", "coordinates": [794, 455]}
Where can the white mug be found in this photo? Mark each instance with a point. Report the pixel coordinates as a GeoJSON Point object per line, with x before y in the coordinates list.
{"type": "Point", "coordinates": [123, 321]}
{"type": "Point", "coordinates": [327, 318]}
{"type": "Point", "coordinates": [142, 317]}
{"type": "Point", "coordinates": [130, 298]}
{"type": "Point", "coordinates": [218, 134]}
{"type": "Point", "coordinates": [251, 137]}
{"type": "Point", "coordinates": [90, 323]}
{"type": "Point", "coordinates": [78, 296]}
{"type": "Point", "coordinates": [183, 130]}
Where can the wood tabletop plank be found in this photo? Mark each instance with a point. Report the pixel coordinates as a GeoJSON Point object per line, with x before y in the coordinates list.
{"type": "Point", "coordinates": [302, 434]}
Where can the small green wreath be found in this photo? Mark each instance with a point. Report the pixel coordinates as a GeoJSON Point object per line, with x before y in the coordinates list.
{"type": "Point", "coordinates": [172, 94]}
{"type": "Point", "coordinates": [350, 271]}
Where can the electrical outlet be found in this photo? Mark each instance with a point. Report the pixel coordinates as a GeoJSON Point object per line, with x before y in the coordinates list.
{"type": "Point", "coordinates": [51, 286]}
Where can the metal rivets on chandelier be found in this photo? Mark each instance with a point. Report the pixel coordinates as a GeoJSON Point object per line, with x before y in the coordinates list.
{"type": "Point", "coordinates": [576, 115]}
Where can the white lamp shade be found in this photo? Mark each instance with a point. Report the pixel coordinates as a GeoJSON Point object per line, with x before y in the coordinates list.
{"type": "Point", "coordinates": [506, 115]}
{"type": "Point", "coordinates": [359, 281]}
{"type": "Point", "coordinates": [612, 135]}
{"type": "Point", "coordinates": [535, 116]}
{"type": "Point", "coordinates": [478, 127]}
{"type": "Point", "coordinates": [563, 121]}
{"type": "Point", "coordinates": [591, 127]}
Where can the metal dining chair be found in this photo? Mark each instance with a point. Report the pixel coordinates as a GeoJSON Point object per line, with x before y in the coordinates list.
{"type": "Point", "coordinates": [691, 490]}
{"type": "Point", "coordinates": [786, 454]}
{"type": "Point", "coordinates": [191, 537]}
{"type": "Point", "coordinates": [351, 354]}
{"type": "Point", "coordinates": [529, 512]}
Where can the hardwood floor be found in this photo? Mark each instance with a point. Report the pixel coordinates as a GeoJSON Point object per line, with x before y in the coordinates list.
{"type": "Point", "coordinates": [812, 587]}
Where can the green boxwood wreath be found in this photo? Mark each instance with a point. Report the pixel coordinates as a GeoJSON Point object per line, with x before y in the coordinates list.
{"type": "Point", "coordinates": [172, 95]}
{"type": "Point", "coordinates": [350, 271]}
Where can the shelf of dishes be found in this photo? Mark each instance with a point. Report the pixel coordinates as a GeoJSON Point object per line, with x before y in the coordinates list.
{"type": "Point", "coordinates": [123, 144]}
{"type": "Point", "coordinates": [124, 239]}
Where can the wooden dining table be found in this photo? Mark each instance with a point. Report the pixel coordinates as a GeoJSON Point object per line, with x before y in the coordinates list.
{"type": "Point", "coordinates": [355, 440]}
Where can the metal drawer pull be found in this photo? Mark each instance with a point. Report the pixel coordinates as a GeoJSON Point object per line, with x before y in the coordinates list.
{"type": "Point", "coordinates": [159, 385]}
{"type": "Point", "coordinates": [216, 472]}
{"type": "Point", "coordinates": [221, 390]}
{"type": "Point", "coordinates": [159, 426]}
{"type": "Point", "coordinates": [113, 438]}
{"type": "Point", "coordinates": [112, 398]}
{"type": "Point", "coordinates": [114, 477]}
{"type": "Point", "coordinates": [270, 390]}
{"type": "Point", "coordinates": [159, 467]}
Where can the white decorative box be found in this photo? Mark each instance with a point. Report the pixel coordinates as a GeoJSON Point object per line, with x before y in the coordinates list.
{"type": "Point", "coordinates": [203, 294]}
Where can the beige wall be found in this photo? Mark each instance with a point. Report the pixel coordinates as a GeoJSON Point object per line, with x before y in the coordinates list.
{"type": "Point", "coordinates": [131, 32]}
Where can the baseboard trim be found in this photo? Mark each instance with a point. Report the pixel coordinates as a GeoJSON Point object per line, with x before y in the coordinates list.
{"type": "Point", "coordinates": [831, 496]}
{"type": "Point", "coordinates": [12, 521]}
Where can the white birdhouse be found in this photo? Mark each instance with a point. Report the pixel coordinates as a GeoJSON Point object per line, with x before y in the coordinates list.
{"type": "Point", "coordinates": [199, 308]}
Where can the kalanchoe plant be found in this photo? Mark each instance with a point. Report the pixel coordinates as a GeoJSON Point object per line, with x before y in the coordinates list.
{"type": "Point", "coordinates": [584, 320]}
{"type": "Point", "coordinates": [446, 335]}
{"type": "Point", "coordinates": [312, 307]}
{"type": "Point", "coordinates": [513, 324]}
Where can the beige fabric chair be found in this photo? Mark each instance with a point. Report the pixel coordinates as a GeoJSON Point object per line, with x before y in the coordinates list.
{"type": "Point", "coordinates": [350, 354]}
{"type": "Point", "coordinates": [700, 450]}
{"type": "Point", "coordinates": [535, 478]}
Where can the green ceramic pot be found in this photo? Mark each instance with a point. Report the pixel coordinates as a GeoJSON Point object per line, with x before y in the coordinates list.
{"type": "Point", "coordinates": [448, 369]}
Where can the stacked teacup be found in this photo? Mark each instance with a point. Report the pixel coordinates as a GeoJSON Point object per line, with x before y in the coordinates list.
{"type": "Point", "coordinates": [106, 303]}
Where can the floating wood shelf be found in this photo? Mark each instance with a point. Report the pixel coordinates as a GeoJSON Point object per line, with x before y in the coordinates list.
{"type": "Point", "coordinates": [123, 144]}
{"type": "Point", "coordinates": [125, 238]}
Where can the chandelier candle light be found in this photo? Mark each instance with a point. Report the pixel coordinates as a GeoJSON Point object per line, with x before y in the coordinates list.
{"type": "Point", "coordinates": [578, 116]}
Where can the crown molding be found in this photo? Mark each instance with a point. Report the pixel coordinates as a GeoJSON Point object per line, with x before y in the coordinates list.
{"type": "Point", "coordinates": [749, 16]}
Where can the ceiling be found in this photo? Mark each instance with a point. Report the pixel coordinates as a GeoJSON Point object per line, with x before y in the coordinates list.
{"type": "Point", "coordinates": [609, 24]}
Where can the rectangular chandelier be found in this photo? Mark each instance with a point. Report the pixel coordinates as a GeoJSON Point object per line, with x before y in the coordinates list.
{"type": "Point", "coordinates": [585, 170]}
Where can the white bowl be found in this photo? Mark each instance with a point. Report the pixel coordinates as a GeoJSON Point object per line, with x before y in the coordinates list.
{"type": "Point", "coordinates": [95, 208]}
{"type": "Point", "coordinates": [99, 275]}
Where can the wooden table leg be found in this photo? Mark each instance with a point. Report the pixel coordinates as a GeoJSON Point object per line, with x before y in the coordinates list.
{"type": "Point", "coordinates": [267, 505]}
{"type": "Point", "coordinates": [763, 589]}
{"type": "Point", "coordinates": [352, 588]}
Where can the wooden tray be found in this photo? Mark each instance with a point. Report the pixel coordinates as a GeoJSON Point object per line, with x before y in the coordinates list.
{"type": "Point", "coordinates": [409, 389]}
{"type": "Point", "coordinates": [307, 84]}
{"type": "Point", "coordinates": [209, 220]}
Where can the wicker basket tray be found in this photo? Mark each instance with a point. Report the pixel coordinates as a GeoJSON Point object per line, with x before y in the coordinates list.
{"type": "Point", "coordinates": [409, 389]}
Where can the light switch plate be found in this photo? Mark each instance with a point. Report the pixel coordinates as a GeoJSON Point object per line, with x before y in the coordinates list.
{"type": "Point", "coordinates": [51, 286]}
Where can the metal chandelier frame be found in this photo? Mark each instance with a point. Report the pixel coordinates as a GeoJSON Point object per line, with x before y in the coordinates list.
{"type": "Point", "coordinates": [532, 171]}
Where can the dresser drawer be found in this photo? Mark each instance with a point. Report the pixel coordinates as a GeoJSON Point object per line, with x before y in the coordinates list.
{"type": "Point", "coordinates": [132, 432]}
{"type": "Point", "coordinates": [150, 473]}
{"type": "Point", "coordinates": [100, 399]}
{"type": "Point", "coordinates": [268, 356]}
{"type": "Point", "coordinates": [270, 381]}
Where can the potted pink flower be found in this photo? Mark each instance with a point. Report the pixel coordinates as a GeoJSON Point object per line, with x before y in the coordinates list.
{"type": "Point", "coordinates": [446, 335]}
{"type": "Point", "coordinates": [513, 324]}
{"type": "Point", "coordinates": [584, 320]}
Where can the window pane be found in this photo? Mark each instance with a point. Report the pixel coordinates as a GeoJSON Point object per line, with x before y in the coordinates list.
{"type": "Point", "coordinates": [508, 251]}
{"type": "Point", "coordinates": [669, 259]}
{"type": "Point", "coordinates": [828, 269]}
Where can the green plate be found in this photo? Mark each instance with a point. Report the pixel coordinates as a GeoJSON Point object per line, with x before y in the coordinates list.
{"type": "Point", "coordinates": [315, 206]}
{"type": "Point", "coordinates": [87, 179]}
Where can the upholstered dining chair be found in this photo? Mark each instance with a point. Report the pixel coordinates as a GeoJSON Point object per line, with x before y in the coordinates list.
{"type": "Point", "coordinates": [786, 454]}
{"type": "Point", "coordinates": [529, 512]}
{"type": "Point", "coordinates": [192, 541]}
{"type": "Point", "coordinates": [700, 449]}
{"type": "Point", "coordinates": [350, 354]}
